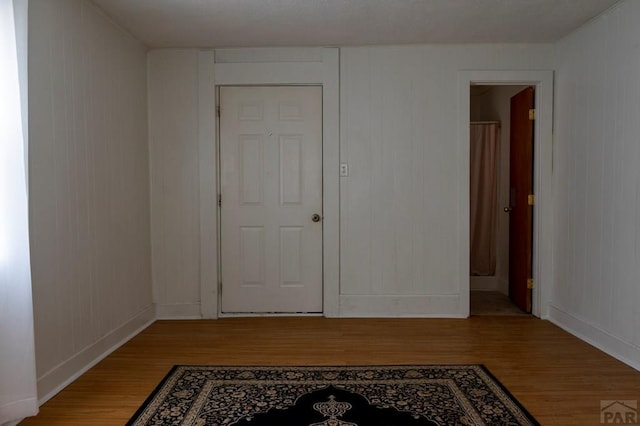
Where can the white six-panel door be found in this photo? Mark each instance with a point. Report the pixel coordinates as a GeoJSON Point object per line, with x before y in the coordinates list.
{"type": "Point", "coordinates": [271, 187]}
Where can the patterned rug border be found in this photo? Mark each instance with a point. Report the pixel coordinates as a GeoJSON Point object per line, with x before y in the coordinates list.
{"type": "Point", "coordinates": [158, 388]}
{"type": "Point", "coordinates": [173, 369]}
{"type": "Point", "coordinates": [507, 392]}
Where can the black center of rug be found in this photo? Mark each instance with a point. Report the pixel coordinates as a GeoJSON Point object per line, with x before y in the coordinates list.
{"type": "Point", "coordinates": [332, 406]}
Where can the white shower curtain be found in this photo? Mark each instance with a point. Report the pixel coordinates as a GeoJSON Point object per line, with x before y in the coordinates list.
{"type": "Point", "coordinates": [484, 142]}
{"type": "Point", "coordinates": [18, 393]}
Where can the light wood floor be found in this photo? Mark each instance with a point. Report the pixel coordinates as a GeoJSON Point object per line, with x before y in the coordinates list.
{"type": "Point", "coordinates": [557, 377]}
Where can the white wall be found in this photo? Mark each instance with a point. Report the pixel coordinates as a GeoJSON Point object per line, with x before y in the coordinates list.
{"type": "Point", "coordinates": [175, 204]}
{"type": "Point", "coordinates": [597, 179]}
{"type": "Point", "coordinates": [183, 162]}
{"type": "Point", "coordinates": [89, 188]}
{"type": "Point", "coordinates": [399, 206]}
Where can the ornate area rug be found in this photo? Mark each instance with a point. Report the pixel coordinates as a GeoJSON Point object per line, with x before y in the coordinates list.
{"type": "Point", "coordinates": [331, 396]}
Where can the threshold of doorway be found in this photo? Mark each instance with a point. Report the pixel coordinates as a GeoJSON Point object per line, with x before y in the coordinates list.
{"type": "Point", "coordinates": [487, 303]}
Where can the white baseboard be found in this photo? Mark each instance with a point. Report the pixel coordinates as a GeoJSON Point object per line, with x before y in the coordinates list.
{"type": "Point", "coordinates": [595, 336]}
{"type": "Point", "coordinates": [16, 409]}
{"type": "Point", "coordinates": [387, 306]}
{"type": "Point", "coordinates": [178, 311]}
{"type": "Point", "coordinates": [62, 375]}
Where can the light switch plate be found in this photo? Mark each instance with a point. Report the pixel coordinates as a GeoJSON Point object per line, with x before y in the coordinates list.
{"type": "Point", "coordinates": [344, 170]}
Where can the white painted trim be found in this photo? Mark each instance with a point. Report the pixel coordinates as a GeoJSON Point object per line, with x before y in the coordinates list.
{"type": "Point", "coordinates": [543, 184]}
{"type": "Point", "coordinates": [331, 180]}
{"type": "Point", "coordinates": [208, 187]}
{"type": "Point", "coordinates": [325, 73]}
{"type": "Point", "coordinates": [269, 73]}
{"type": "Point", "coordinates": [595, 336]}
{"type": "Point", "coordinates": [66, 372]}
{"type": "Point", "coordinates": [404, 306]}
{"type": "Point", "coordinates": [177, 311]}
{"type": "Point", "coordinates": [267, 315]}
{"type": "Point", "coordinates": [18, 408]}
{"type": "Point", "coordinates": [269, 54]}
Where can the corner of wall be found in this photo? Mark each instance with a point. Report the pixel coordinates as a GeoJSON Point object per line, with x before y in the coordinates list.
{"type": "Point", "coordinates": [178, 311]}
{"type": "Point", "coordinates": [66, 372]}
{"type": "Point", "coordinates": [595, 336]}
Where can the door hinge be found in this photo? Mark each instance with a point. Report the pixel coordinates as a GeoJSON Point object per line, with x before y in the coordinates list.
{"type": "Point", "coordinates": [219, 200]}
{"type": "Point", "coordinates": [532, 114]}
{"type": "Point", "coordinates": [218, 110]}
{"type": "Point", "coordinates": [531, 199]}
{"type": "Point", "coordinates": [530, 283]}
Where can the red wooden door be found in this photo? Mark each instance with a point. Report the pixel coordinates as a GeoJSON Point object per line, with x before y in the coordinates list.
{"type": "Point", "coordinates": [521, 186]}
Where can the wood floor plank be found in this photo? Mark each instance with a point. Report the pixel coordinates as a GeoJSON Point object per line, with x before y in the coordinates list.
{"type": "Point", "coordinates": [557, 377]}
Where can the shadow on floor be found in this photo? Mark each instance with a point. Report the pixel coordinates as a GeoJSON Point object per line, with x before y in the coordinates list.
{"type": "Point", "coordinates": [493, 303]}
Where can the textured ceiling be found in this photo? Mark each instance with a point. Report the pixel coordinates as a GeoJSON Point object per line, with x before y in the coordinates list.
{"type": "Point", "coordinates": [254, 23]}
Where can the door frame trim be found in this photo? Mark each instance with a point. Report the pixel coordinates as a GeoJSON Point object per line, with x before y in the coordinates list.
{"type": "Point", "coordinates": [313, 66]}
{"type": "Point", "coordinates": [542, 261]}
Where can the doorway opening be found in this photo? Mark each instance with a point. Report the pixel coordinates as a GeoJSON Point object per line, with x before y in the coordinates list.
{"type": "Point", "coordinates": [501, 214]}
{"type": "Point", "coordinates": [542, 238]}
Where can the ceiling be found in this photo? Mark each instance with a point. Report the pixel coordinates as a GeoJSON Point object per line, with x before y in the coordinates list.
{"type": "Point", "coordinates": [255, 23]}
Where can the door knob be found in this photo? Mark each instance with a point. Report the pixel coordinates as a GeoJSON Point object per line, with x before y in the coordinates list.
{"type": "Point", "coordinates": [508, 209]}
{"type": "Point", "coordinates": [315, 217]}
